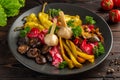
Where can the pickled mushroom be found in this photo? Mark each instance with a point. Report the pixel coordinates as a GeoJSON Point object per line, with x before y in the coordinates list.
{"type": "Point", "coordinates": [40, 59]}
{"type": "Point", "coordinates": [22, 49]}
{"type": "Point", "coordinates": [33, 52]}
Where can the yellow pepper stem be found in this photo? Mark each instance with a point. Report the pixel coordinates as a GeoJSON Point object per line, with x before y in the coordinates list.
{"type": "Point", "coordinates": [43, 8]}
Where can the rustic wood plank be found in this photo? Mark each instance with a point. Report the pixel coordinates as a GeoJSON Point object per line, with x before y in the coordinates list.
{"type": "Point", "coordinates": [116, 46]}
{"type": "Point", "coordinates": [2, 34]}
{"type": "Point", "coordinates": [57, 79]}
{"type": "Point", "coordinates": [11, 69]}
{"type": "Point", "coordinates": [116, 34]}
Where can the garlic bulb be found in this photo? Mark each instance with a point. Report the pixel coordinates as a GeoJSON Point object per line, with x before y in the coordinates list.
{"type": "Point", "coordinates": [51, 39]}
{"type": "Point", "coordinates": [64, 31]}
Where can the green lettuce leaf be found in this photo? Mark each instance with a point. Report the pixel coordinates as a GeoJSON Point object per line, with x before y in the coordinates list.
{"type": "Point", "coordinates": [9, 8]}
{"type": "Point", "coordinates": [3, 17]}
{"type": "Point", "coordinates": [22, 3]}
{"type": "Point", "coordinates": [10, 4]}
{"type": "Point", "coordinates": [12, 12]}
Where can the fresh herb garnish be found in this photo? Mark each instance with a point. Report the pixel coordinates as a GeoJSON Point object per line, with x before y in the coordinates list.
{"type": "Point", "coordinates": [24, 31]}
{"type": "Point", "coordinates": [53, 12]}
{"type": "Point", "coordinates": [99, 50]}
{"type": "Point", "coordinates": [76, 31]}
{"type": "Point", "coordinates": [62, 65]}
{"type": "Point", "coordinates": [89, 20]}
{"type": "Point", "coordinates": [70, 23]}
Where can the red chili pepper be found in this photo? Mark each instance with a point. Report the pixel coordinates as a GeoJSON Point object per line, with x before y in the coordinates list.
{"type": "Point", "coordinates": [86, 47]}
{"type": "Point", "coordinates": [55, 53]}
{"type": "Point", "coordinates": [33, 33]}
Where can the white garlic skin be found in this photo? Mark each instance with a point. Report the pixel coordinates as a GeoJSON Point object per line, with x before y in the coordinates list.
{"type": "Point", "coordinates": [65, 32]}
{"type": "Point", "coordinates": [51, 40]}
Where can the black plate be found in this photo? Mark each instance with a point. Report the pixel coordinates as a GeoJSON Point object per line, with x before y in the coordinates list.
{"type": "Point", "coordinates": [68, 9]}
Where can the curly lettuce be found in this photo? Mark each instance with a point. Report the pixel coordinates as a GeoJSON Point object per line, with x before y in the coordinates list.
{"type": "Point", "coordinates": [10, 8]}
{"type": "Point", "coordinates": [22, 2]}
{"type": "Point", "coordinates": [3, 17]}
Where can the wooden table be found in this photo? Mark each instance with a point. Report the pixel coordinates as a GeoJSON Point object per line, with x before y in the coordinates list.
{"type": "Point", "coordinates": [11, 69]}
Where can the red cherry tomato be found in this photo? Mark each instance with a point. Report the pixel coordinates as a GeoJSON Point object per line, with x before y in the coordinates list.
{"type": "Point", "coordinates": [116, 3]}
{"type": "Point", "coordinates": [114, 15]}
{"type": "Point", "coordinates": [107, 4]}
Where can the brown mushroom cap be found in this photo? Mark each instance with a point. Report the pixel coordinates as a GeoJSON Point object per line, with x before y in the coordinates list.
{"type": "Point", "coordinates": [40, 59]}
{"type": "Point", "coordinates": [45, 49]}
{"type": "Point", "coordinates": [34, 42]}
{"type": "Point", "coordinates": [22, 49]}
{"type": "Point", "coordinates": [33, 52]}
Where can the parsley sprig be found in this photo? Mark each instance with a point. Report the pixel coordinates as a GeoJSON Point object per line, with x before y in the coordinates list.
{"type": "Point", "coordinates": [76, 31]}
{"type": "Point", "coordinates": [99, 50]}
{"type": "Point", "coordinates": [24, 31]}
{"type": "Point", "coordinates": [89, 20]}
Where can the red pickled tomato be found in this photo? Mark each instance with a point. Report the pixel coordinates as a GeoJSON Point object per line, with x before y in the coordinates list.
{"type": "Point", "coordinates": [88, 47]}
{"type": "Point", "coordinates": [33, 33]}
{"type": "Point", "coordinates": [41, 36]}
{"type": "Point", "coordinates": [55, 53]}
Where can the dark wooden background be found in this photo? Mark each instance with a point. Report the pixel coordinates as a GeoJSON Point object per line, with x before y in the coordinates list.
{"type": "Point", "coordinates": [11, 69]}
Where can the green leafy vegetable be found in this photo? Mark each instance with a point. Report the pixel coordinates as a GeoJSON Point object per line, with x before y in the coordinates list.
{"type": "Point", "coordinates": [62, 65]}
{"type": "Point", "coordinates": [24, 31]}
{"type": "Point", "coordinates": [89, 20]}
{"type": "Point", "coordinates": [99, 50]}
{"type": "Point", "coordinates": [10, 8]}
{"type": "Point", "coordinates": [3, 17]}
{"type": "Point", "coordinates": [76, 31]}
{"type": "Point", "coordinates": [22, 2]}
{"type": "Point", "coordinates": [11, 13]}
{"type": "Point", "coordinates": [70, 23]}
{"type": "Point", "coordinates": [53, 12]}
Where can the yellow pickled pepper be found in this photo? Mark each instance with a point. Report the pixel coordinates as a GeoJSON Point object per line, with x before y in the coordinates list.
{"type": "Point", "coordinates": [32, 21]}
{"type": "Point", "coordinates": [76, 18]}
{"type": "Point", "coordinates": [44, 18]}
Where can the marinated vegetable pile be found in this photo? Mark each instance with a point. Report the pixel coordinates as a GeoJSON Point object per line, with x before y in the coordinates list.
{"type": "Point", "coordinates": [60, 39]}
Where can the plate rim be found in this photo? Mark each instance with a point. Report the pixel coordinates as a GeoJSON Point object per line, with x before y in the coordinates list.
{"type": "Point", "coordinates": [30, 67]}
